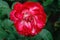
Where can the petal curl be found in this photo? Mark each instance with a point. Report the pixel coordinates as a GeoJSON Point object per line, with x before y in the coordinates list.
{"type": "Point", "coordinates": [18, 6]}
{"type": "Point", "coordinates": [34, 7]}
{"type": "Point", "coordinates": [12, 15]}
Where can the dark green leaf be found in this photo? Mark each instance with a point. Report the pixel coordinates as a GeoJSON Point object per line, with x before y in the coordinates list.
{"type": "Point", "coordinates": [7, 23]}
{"type": "Point", "coordinates": [47, 2]}
{"type": "Point", "coordinates": [3, 34]}
{"type": "Point", "coordinates": [59, 3]}
{"type": "Point", "coordinates": [4, 4]}
{"type": "Point", "coordinates": [11, 37]}
{"type": "Point", "coordinates": [4, 9]}
{"type": "Point", "coordinates": [46, 35]}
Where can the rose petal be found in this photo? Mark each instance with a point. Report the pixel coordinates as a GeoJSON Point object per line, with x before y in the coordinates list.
{"type": "Point", "coordinates": [18, 6]}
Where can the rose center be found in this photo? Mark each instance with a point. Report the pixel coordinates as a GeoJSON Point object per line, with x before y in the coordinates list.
{"type": "Point", "coordinates": [28, 17]}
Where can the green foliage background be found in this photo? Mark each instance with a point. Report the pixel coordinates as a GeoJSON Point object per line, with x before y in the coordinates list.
{"type": "Point", "coordinates": [51, 30]}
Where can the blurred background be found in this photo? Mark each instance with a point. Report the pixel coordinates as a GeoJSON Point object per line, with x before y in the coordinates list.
{"type": "Point", "coordinates": [51, 30]}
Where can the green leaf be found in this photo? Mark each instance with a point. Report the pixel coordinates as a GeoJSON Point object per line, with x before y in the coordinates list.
{"type": "Point", "coordinates": [0, 0]}
{"type": "Point", "coordinates": [37, 37]}
{"type": "Point", "coordinates": [0, 22]}
{"type": "Point", "coordinates": [4, 9]}
{"type": "Point", "coordinates": [43, 35]}
{"type": "Point", "coordinates": [9, 29]}
{"type": "Point", "coordinates": [46, 35]}
{"type": "Point", "coordinates": [13, 0]}
{"type": "Point", "coordinates": [11, 37]}
{"type": "Point", "coordinates": [4, 4]}
{"type": "Point", "coordinates": [7, 23]}
{"type": "Point", "coordinates": [59, 3]}
{"type": "Point", "coordinates": [3, 34]}
{"type": "Point", "coordinates": [47, 2]}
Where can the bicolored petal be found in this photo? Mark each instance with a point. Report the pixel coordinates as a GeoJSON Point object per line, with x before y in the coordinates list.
{"type": "Point", "coordinates": [34, 7]}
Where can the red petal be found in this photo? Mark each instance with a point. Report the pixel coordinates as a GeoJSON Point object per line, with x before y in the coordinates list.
{"type": "Point", "coordinates": [33, 6]}
{"type": "Point", "coordinates": [18, 6]}
{"type": "Point", "coordinates": [12, 15]}
{"type": "Point", "coordinates": [19, 16]}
